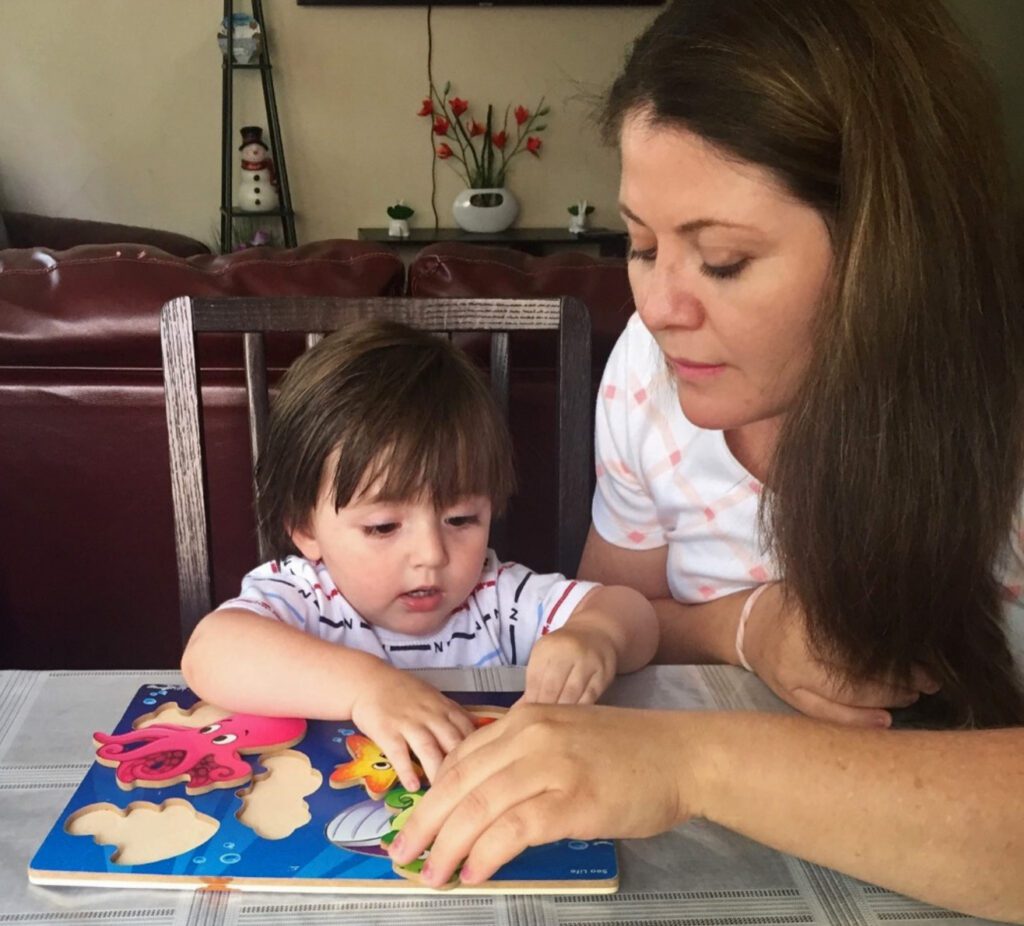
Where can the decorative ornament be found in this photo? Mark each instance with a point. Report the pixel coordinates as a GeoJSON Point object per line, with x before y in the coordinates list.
{"type": "Point", "coordinates": [257, 182]}
{"type": "Point", "coordinates": [399, 214]}
{"type": "Point", "coordinates": [579, 212]}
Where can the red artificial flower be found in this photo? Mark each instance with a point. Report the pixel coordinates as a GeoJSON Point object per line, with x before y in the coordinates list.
{"type": "Point", "coordinates": [458, 106]}
{"type": "Point", "coordinates": [441, 125]}
{"type": "Point", "coordinates": [427, 109]}
{"type": "Point", "coordinates": [443, 151]}
{"type": "Point", "coordinates": [476, 128]}
{"type": "Point", "coordinates": [522, 114]}
{"type": "Point", "coordinates": [499, 139]}
{"type": "Point", "coordinates": [533, 144]}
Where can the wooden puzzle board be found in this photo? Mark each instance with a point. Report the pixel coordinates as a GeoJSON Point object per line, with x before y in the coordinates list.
{"type": "Point", "coordinates": [272, 821]}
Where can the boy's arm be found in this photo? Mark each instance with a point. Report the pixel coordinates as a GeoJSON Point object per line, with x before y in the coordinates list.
{"type": "Point", "coordinates": [613, 629]}
{"type": "Point", "coordinates": [244, 662]}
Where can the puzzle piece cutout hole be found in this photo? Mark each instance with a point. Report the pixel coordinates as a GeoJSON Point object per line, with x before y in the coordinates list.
{"type": "Point", "coordinates": [144, 832]}
{"type": "Point", "coordinates": [198, 716]}
{"type": "Point", "coordinates": [273, 805]}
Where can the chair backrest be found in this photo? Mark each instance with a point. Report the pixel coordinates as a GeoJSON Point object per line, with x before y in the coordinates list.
{"type": "Point", "coordinates": [181, 320]}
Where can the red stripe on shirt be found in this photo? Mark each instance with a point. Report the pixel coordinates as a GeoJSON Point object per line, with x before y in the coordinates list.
{"type": "Point", "coordinates": [554, 610]}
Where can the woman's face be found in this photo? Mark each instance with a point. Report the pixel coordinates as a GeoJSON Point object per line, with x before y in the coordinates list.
{"type": "Point", "coordinates": [727, 271]}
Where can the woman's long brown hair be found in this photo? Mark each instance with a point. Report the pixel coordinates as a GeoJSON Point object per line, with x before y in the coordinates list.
{"type": "Point", "coordinates": [895, 483]}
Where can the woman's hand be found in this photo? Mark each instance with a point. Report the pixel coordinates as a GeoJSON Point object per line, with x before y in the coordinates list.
{"type": "Point", "coordinates": [403, 714]}
{"type": "Point", "coordinates": [779, 651]}
{"type": "Point", "coordinates": [543, 773]}
{"type": "Point", "coordinates": [570, 666]}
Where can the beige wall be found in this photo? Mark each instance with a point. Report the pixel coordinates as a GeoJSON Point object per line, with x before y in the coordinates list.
{"type": "Point", "coordinates": [111, 108]}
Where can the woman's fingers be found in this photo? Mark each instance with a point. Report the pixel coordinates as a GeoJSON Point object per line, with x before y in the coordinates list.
{"type": "Point", "coordinates": [816, 705]}
{"type": "Point", "coordinates": [462, 803]}
{"type": "Point", "coordinates": [529, 823]}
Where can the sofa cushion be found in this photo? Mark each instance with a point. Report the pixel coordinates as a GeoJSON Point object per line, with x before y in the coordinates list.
{"type": "Point", "coordinates": [99, 305]}
{"type": "Point", "coordinates": [87, 575]}
{"type": "Point", "coordinates": [453, 269]}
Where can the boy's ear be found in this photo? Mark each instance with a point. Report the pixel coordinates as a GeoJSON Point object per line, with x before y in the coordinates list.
{"type": "Point", "coordinates": [305, 542]}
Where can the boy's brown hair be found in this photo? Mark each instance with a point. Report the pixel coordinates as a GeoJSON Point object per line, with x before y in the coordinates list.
{"type": "Point", "coordinates": [390, 407]}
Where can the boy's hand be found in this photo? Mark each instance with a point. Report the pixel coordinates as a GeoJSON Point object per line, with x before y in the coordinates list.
{"type": "Point", "coordinates": [402, 714]}
{"type": "Point", "coordinates": [573, 665]}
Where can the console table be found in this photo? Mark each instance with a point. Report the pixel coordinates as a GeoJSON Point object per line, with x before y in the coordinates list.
{"type": "Point", "coordinates": [610, 242]}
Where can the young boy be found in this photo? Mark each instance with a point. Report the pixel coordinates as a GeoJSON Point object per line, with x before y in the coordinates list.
{"type": "Point", "coordinates": [385, 460]}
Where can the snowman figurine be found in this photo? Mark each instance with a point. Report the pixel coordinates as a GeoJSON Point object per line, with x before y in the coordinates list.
{"type": "Point", "coordinates": [257, 183]}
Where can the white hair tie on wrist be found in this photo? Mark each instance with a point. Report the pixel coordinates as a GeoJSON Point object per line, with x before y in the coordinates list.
{"type": "Point", "coordinates": [741, 627]}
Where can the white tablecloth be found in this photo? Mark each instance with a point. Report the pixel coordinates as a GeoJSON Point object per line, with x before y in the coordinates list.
{"type": "Point", "coordinates": [698, 874]}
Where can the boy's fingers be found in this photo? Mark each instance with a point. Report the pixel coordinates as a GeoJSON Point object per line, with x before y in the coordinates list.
{"type": "Point", "coordinates": [427, 751]}
{"type": "Point", "coordinates": [397, 753]}
{"type": "Point", "coordinates": [462, 721]}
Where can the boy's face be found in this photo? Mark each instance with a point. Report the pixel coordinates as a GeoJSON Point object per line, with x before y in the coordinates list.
{"type": "Point", "coordinates": [404, 566]}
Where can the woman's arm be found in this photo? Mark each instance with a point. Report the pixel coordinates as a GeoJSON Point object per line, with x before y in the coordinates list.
{"type": "Point", "coordinates": [777, 645]}
{"type": "Point", "coordinates": [698, 633]}
{"type": "Point", "coordinates": [939, 816]}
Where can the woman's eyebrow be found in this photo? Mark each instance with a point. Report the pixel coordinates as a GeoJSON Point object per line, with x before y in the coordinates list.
{"type": "Point", "coordinates": [685, 227]}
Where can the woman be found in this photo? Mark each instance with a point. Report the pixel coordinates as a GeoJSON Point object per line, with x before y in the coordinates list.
{"type": "Point", "coordinates": [829, 327]}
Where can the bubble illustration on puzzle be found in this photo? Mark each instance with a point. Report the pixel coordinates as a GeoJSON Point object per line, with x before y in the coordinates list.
{"type": "Point", "coordinates": [199, 860]}
{"type": "Point", "coordinates": [230, 858]}
{"type": "Point", "coordinates": [149, 700]}
{"type": "Point", "coordinates": [578, 844]}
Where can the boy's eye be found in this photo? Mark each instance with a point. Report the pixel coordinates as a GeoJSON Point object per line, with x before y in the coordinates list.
{"type": "Point", "coordinates": [724, 271]}
{"type": "Point", "coordinates": [380, 530]}
{"type": "Point", "coordinates": [463, 520]}
{"type": "Point", "coordinates": [644, 254]}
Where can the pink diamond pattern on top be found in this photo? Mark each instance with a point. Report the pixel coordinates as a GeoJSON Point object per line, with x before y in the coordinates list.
{"type": "Point", "coordinates": [708, 592]}
{"type": "Point", "coordinates": [742, 492]}
{"type": "Point", "coordinates": [637, 536]}
{"type": "Point", "coordinates": [759, 574]}
{"type": "Point", "coordinates": [599, 470]}
{"type": "Point", "coordinates": [675, 456]}
{"type": "Point", "coordinates": [609, 391]}
{"type": "Point", "coordinates": [640, 396]}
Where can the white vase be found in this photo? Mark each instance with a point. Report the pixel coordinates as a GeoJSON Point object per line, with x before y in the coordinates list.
{"type": "Point", "coordinates": [485, 210]}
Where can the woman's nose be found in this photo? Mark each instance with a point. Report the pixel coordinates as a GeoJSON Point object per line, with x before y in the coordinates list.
{"type": "Point", "coordinates": [667, 301]}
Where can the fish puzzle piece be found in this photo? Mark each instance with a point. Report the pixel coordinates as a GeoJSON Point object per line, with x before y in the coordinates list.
{"type": "Point", "coordinates": [369, 767]}
{"type": "Point", "coordinates": [209, 757]}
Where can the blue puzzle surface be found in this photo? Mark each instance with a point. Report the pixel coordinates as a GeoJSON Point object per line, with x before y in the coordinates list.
{"type": "Point", "coordinates": [308, 859]}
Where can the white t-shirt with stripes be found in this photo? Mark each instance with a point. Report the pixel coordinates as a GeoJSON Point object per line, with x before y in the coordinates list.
{"type": "Point", "coordinates": [510, 608]}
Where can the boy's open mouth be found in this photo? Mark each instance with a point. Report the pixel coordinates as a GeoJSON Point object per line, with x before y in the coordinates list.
{"type": "Point", "coordinates": [422, 599]}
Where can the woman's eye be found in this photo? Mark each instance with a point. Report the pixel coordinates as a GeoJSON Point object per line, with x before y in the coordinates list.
{"type": "Point", "coordinates": [724, 271]}
{"type": "Point", "coordinates": [380, 530]}
{"type": "Point", "coordinates": [645, 254]}
{"type": "Point", "coordinates": [463, 520]}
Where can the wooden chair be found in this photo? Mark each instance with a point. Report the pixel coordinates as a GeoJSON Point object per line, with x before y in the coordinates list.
{"type": "Point", "coordinates": [181, 320]}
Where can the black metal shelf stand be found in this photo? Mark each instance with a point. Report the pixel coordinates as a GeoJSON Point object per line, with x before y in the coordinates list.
{"type": "Point", "coordinates": [228, 156]}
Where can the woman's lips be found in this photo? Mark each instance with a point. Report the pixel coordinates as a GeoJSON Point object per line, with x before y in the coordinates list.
{"type": "Point", "coordinates": [691, 369]}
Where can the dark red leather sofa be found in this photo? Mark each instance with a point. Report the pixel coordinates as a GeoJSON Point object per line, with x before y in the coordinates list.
{"type": "Point", "coordinates": [87, 574]}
